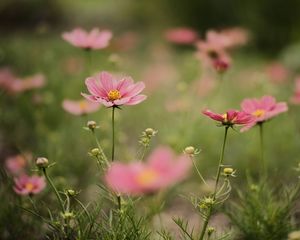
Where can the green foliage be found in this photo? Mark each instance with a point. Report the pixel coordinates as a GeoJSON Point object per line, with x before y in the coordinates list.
{"type": "Point", "coordinates": [263, 212]}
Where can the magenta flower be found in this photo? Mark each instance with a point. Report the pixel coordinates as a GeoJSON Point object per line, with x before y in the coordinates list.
{"type": "Point", "coordinates": [230, 118]}
{"type": "Point", "coordinates": [15, 164]}
{"type": "Point", "coordinates": [28, 185]}
{"type": "Point", "coordinates": [162, 169]}
{"type": "Point", "coordinates": [110, 92]}
{"type": "Point", "coordinates": [80, 107]}
{"type": "Point", "coordinates": [181, 35]}
{"type": "Point", "coordinates": [262, 109]}
{"type": "Point", "coordinates": [94, 39]}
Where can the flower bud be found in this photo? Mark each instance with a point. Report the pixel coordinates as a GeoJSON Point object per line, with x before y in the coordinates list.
{"type": "Point", "coordinates": [68, 215]}
{"type": "Point", "coordinates": [208, 201]}
{"type": "Point", "coordinates": [91, 125]}
{"type": "Point", "coordinates": [228, 171]}
{"type": "Point", "coordinates": [42, 162]}
{"type": "Point", "coordinates": [210, 230]}
{"type": "Point", "coordinates": [71, 192]}
{"type": "Point", "coordinates": [189, 150]}
{"type": "Point", "coordinates": [150, 132]}
{"type": "Point", "coordinates": [95, 152]}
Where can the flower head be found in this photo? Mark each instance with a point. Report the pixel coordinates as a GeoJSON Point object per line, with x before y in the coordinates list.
{"type": "Point", "coordinates": [181, 35]}
{"type": "Point", "coordinates": [95, 39]}
{"type": "Point", "coordinates": [230, 118]}
{"type": "Point", "coordinates": [262, 109]}
{"type": "Point", "coordinates": [161, 170]}
{"type": "Point", "coordinates": [16, 164]}
{"type": "Point", "coordinates": [110, 92]}
{"type": "Point", "coordinates": [80, 107]}
{"type": "Point", "coordinates": [28, 185]}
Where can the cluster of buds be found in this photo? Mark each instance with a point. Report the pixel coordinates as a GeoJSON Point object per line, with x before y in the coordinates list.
{"type": "Point", "coordinates": [71, 192]}
{"type": "Point", "coordinates": [95, 152]}
{"type": "Point", "coordinates": [190, 150]}
{"type": "Point", "coordinates": [68, 215]}
{"type": "Point", "coordinates": [147, 135]}
{"type": "Point", "coordinates": [206, 203]}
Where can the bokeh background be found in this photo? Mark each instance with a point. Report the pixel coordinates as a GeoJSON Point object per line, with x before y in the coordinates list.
{"type": "Point", "coordinates": [35, 122]}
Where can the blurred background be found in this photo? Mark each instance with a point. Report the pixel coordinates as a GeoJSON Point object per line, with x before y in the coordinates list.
{"type": "Point", "coordinates": [177, 84]}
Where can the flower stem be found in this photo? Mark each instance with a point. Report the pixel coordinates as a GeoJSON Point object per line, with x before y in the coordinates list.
{"type": "Point", "coordinates": [261, 136]}
{"type": "Point", "coordinates": [113, 148]}
{"type": "Point", "coordinates": [216, 185]}
{"type": "Point", "coordinates": [54, 189]}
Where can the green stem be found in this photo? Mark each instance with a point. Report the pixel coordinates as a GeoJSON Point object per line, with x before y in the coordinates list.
{"type": "Point", "coordinates": [113, 134]}
{"type": "Point", "coordinates": [113, 147]}
{"type": "Point", "coordinates": [261, 136]}
{"type": "Point", "coordinates": [54, 189]}
{"type": "Point", "coordinates": [99, 146]}
{"type": "Point", "coordinates": [216, 185]}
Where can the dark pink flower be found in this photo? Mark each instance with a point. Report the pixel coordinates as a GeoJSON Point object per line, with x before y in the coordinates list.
{"type": "Point", "coordinates": [107, 90]}
{"type": "Point", "coordinates": [94, 39]}
{"type": "Point", "coordinates": [162, 169]}
{"type": "Point", "coordinates": [262, 109]}
{"type": "Point", "coordinates": [230, 118]}
{"type": "Point", "coordinates": [80, 107]}
{"type": "Point", "coordinates": [28, 185]}
{"type": "Point", "coordinates": [181, 35]}
{"type": "Point", "coordinates": [220, 65]}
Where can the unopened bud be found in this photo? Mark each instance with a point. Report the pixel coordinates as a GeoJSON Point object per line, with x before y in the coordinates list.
{"type": "Point", "coordinates": [71, 192]}
{"type": "Point", "coordinates": [68, 215]}
{"type": "Point", "coordinates": [189, 150]}
{"type": "Point", "coordinates": [210, 230]}
{"type": "Point", "coordinates": [150, 132]}
{"type": "Point", "coordinates": [228, 171]}
{"type": "Point", "coordinates": [91, 125]}
{"type": "Point", "coordinates": [95, 152]}
{"type": "Point", "coordinates": [42, 162]}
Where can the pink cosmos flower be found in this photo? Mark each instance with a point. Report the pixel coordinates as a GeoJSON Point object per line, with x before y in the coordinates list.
{"type": "Point", "coordinates": [80, 107]}
{"type": "Point", "coordinates": [28, 185]}
{"type": "Point", "coordinates": [277, 72]}
{"type": "Point", "coordinates": [95, 39]}
{"type": "Point", "coordinates": [262, 109]}
{"type": "Point", "coordinates": [295, 99]}
{"type": "Point", "coordinates": [110, 92]}
{"type": "Point", "coordinates": [181, 35]}
{"type": "Point", "coordinates": [15, 164]}
{"type": "Point", "coordinates": [230, 118]}
{"type": "Point", "coordinates": [161, 170]}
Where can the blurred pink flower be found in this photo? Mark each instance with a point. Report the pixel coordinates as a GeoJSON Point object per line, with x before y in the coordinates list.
{"type": "Point", "coordinates": [107, 90]}
{"type": "Point", "coordinates": [262, 109]}
{"type": "Point", "coordinates": [277, 72]}
{"type": "Point", "coordinates": [220, 65]}
{"type": "Point", "coordinates": [12, 84]}
{"type": "Point", "coordinates": [28, 185]}
{"type": "Point", "coordinates": [15, 164]}
{"type": "Point", "coordinates": [181, 35]}
{"type": "Point", "coordinates": [230, 118]}
{"type": "Point", "coordinates": [162, 169]}
{"type": "Point", "coordinates": [295, 99]}
{"type": "Point", "coordinates": [80, 107]}
{"type": "Point", "coordinates": [94, 39]}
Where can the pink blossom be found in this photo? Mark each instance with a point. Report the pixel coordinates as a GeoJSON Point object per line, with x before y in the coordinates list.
{"type": "Point", "coordinates": [277, 72]}
{"type": "Point", "coordinates": [295, 99]}
{"type": "Point", "coordinates": [28, 185]}
{"type": "Point", "coordinates": [262, 109]}
{"type": "Point", "coordinates": [181, 35]}
{"type": "Point", "coordinates": [15, 164]}
{"type": "Point", "coordinates": [107, 90]}
{"type": "Point", "coordinates": [162, 169]}
{"type": "Point", "coordinates": [220, 65]}
{"type": "Point", "coordinates": [12, 84]}
{"type": "Point", "coordinates": [231, 117]}
{"type": "Point", "coordinates": [95, 39]}
{"type": "Point", "coordinates": [80, 107]}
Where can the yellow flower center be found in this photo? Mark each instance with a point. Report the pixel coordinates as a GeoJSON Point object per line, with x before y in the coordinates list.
{"type": "Point", "coordinates": [259, 113]}
{"type": "Point", "coordinates": [29, 186]}
{"type": "Point", "coordinates": [147, 177]}
{"type": "Point", "coordinates": [82, 105]}
{"type": "Point", "coordinates": [114, 95]}
{"type": "Point", "coordinates": [225, 117]}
